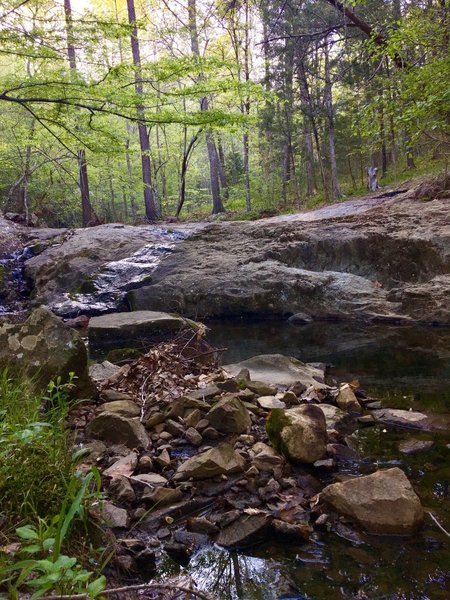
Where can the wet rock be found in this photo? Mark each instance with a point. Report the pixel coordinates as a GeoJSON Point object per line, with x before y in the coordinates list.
{"type": "Point", "coordinates": [300, 319]}
{"type": "Point", "coordinates": [244, 531]}
{"type": "Point", "coordinates": [96, 450]}
{"type": "Point", "coordinates": [299, 433]}
{"type": "Point", "coordinates": [269, 402]}
{"type": "Point", "coordinates": [120, 328]}
{"type": "Point", "coordinates": [121, 490]}
{"type": "Point", "coordinates": [300, 531]}
{"type": "Point", "coordinates": [114, 516]}
{"type": "Point", "coordinates": [44, 348]}
{"type": "Point", "coordinates": [125, 408]}
{"type": "Point", "coordinates": [145, 464]}
{"type": "Point", "coordinates": [216, 461]}
{"type": "Point", "coordinates": [337, 419]}
{"type": "Point", "coordinates": [383, 503]}
{"type": "Point", "coordinates": [192, 541]}
{"type": "Point", "coordinates": [229, 415]}
{"type": "Point", "coordinates": [347, 400]}
{"type": "Point", "coordinates": [413, 446]}
{"type": "Point", "coordinates": [276, 369]}
{"type": "Point", "coordinates": [412, 419]}
{"type": "Point", "coordinates": [202, 525]}
{"type": "Point", "coordinates": [114, 429]}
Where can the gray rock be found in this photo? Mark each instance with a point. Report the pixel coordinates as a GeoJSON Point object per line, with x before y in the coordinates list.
{"type": "Point", "coordinates": [337, 419]}
{"type": "Point", "coordinates": [162, 496]}
{"type": "Point", "coordinates": [114, 328]}
{"type": "Point", "coordinates": [412, 419]}
{"type": "Point", "coordinates": [44, 348]}
{"type": "Point", "coordinates": [149, 479]}
{"type": "Point", "coordinates": [121, 490]}
{"type": "Point", "coordinates": [125, 408]}
{"type": "Point", "coordinates": [216, 461]}
{"type": "Point", "coordinates": [245, 531]}
{"type": "Point", "coordinates": [124, 466]}
{"type": "Point", "coordinates": [114, 429]}
{"type": "Point", "coordinates": [266, 458]}
{"type": "Point", "coordinates": [193, 436]}
{"type": "Point", "coordinates": [229, 415]}
{"type": "Point", "coordinates": [269, 402]}
{"type": "Point", "coordinates": [100, 372]}
{"type": "Point", "coordinates": [299, 433]}
{"type": "Point", "coordinates": [347, 400]}
{"type": "Point", "coordinates": [383, 503]}
{"type": "Point", "coordinates": [276, 369]}
{"type": "Point", "coordinates": [300, 319]}
{"type": "Point", "coordinates": [115, 516]}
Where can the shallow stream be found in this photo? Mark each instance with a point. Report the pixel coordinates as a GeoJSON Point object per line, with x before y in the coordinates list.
{"type": "Point", "coordinates": [403, 367]}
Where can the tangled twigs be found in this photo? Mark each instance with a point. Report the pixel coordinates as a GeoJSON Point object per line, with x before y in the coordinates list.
{"type": "Point", "coordinates": [134, 588]}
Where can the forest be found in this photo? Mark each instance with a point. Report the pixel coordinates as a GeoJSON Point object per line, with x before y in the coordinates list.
{"type": "Point", "coordinates": [137, 110]}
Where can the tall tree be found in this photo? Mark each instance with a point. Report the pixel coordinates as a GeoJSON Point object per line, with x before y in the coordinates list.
{"type": "Point", "coordinates": [151, 211]}
{"type": "Point", "coordinates": [89, 216]}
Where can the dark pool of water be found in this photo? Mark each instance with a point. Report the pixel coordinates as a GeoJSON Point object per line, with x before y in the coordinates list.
{"type": "Point", "coordinates": [405, 367]}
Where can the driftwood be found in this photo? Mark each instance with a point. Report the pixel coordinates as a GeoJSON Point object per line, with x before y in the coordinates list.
{"type": "Point", "coordinates": [135, 588]}
{"type": "Point", "coordinates": [372, 181]}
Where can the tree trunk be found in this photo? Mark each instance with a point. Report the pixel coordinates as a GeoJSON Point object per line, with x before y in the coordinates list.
{"type": "Point", "coordinates": [184, 165]}
{"type": "Point", "coordinates": [204, 106]}
{"type": "Point", "coordinates": [88, 215]}
{"type": "Point", "coordinates": [151, 211]}
{"type": "Point", "coordinates": [328, 101]}
{"type": "Point", "coordinates": [307, 135]}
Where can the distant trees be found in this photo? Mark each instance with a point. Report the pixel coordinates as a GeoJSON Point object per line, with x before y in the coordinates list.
{"type": "Point", "coordinates": [239, 106]}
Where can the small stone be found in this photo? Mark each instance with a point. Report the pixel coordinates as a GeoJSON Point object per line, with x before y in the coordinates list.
{"type": "Point", "coordinates": [252, 472]}
{"type": "Point", "coordinates": [202, 525]}
{"type": "Point", "coordinates": [321, 520]}
{"type": "Point", "coordinates": [294, 530]}
{"type": "Point", "coordinates": [174, 428]}
{"type": "Point", "coordinates": [126, 408]}
{"type": "Point", "coordinates": [229, 385]}
{"type": "Point", "coordinates": [145, 463]}
{"type": "Point", "coordinates": [216, 461]}
{"type": "Point", "coordinates": [246, 439]}
{"type": "Point", "coordinates": [327, 463]}
{"type": "Point", "coordinates": [261, 389]}
{"type": "Point", "coordinates": [210, 433]}
{"type": "Point", "coordinates": [116, 429]}
{"type": "Point", "coordinates": [166, 436]}
{"type": "Point", "coordinates": [289, 398]}
{"type": "Point", "coordinates": [109, 395]}
{"type": "Point", "coordinates": [163, 460]}
{"type": "Point", "coordinates": [229, 415]}
{"type": "Point", "coordinates": [193, 418]}
{"type": "Point", "coordinates": [120, 489]}
{"type": "Point", "coordinates": [149, 479]}
{"type": "Point", "coordinates": [269, 402]}
{"type": "Point", "coordinates": [347, 400]}
{"type": "Point", "coordinates": [155, 419]}
{"type": "Point", "coordinates": [193, 436]}
{"type": "Point", "coordinates": [163, 496]}
{"type": "Point", "coordinates": [202, 424]}
{"type": "Point", "coordinates": [376, 405]}
{"type": "Point", "coordinates": [163, 533]}
{"type": "Point", "coordinates": [206, 393]}
{"type": "Point", "coordinates": [413, 446]}
{"type": "Point", "coordinates": [124, 466]}
{"type": "Point", "coordinates": [114, 516]}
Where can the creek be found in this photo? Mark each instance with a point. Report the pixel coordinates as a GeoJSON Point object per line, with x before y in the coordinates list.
{"type": "Point", "coordinates": [405, 367]}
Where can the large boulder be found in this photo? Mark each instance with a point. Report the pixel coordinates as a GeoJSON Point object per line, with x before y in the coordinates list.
{"type": "Point", "coordinates": [44, 348]}
{"type": "Point", "coordinates": [126, 327]}
{"type": "Point", "coordinates": [216, 461]}
{"type": "Point", "coordinates": [383, 503]}
{"type": "Point", "coordinates": [277, 369]}
{"type": "Point", "coordinates": [300, 433]}
{"type": "Point", "coordinates": [229, 415]}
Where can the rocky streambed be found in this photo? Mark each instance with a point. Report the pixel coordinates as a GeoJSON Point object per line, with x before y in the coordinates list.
{"type": "Point", "coordinates": [262, 479]}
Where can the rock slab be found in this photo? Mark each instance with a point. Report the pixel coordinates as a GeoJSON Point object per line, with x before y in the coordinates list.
{"type": "Point", "coordinates": [217, 461]}
{"type": "Point", "coordinates": [382, 503]}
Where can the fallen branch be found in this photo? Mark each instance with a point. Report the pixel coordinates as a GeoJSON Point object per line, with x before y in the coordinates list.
{"type": "Point", "coordinates": [134, 588]}
{"type": "Point", "coordinates": [438, 524]}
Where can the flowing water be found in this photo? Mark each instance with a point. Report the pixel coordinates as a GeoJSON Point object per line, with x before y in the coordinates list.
{"type": "Point", "coordinates": [404, 367]}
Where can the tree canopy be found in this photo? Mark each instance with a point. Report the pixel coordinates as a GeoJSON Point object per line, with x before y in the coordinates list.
{"type": "Point", "coordinates": [134, 109]}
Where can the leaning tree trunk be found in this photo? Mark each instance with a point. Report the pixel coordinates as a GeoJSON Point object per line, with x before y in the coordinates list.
{"type": "Point", "coordinates": [88, 214]}
{"type": "Point", "coordinates": [151, 211]}
{"type": "Point", "coordinates": [204, 106]}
